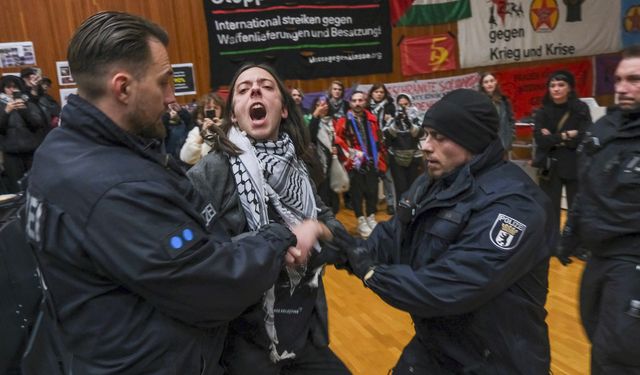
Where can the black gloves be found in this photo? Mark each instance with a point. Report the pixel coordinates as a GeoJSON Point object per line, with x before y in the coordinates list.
{"type": "Point", "coordinates": [330, 254]}
{"type": "Point", "coordinates": [563, 254]}
{"type": "Point", "coordinates": [568, 245]}
{"type": "Point", "coordinates": [360, 261]}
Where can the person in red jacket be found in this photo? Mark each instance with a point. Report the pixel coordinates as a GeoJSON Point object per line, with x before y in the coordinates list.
{"type": "Point", "coordinates": [359, 138]}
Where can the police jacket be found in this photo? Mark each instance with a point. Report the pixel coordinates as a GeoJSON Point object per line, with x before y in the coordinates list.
{"type": "Point", "coordinates": [471, 267]}
{"type": "Point", "coordinates": [226, 201]}
{"type": "Point", "coordinates": [143, 277]}
{"type": "Point", "coordinates": [606, 213]}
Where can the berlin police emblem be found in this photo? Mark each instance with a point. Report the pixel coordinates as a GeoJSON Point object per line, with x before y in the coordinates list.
{"type": "Point", "coordinates": [507, 232]}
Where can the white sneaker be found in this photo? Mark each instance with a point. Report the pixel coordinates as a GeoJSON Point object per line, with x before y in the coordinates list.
{"type": "Point", "coordinates": [371, 221]}
{"type": "Point", "coordinates": [363, 227]}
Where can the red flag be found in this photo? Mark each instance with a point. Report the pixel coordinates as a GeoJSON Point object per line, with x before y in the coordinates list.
{"type": "Point", "coordinates": [428, 54]}
{"type": "Point", "coordinates": [397, 8]}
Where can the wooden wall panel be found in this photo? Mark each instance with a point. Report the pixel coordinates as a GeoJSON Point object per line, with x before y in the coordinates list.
{"type": "Point", "coordinates": [50, 24]}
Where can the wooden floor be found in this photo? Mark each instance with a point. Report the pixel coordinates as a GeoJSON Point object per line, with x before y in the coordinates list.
{"type": "Point", "coordinates": [368, 335]}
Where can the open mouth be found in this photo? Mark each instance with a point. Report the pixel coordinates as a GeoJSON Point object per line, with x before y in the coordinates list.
{"type": "Point", "coordinates": [257, 112]}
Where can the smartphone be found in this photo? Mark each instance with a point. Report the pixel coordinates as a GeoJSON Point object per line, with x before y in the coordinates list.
{"type": "Point", "coordinates": [210, 113]}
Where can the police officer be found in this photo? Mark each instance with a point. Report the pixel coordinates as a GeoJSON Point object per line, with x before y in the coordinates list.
{"type": "Point", "coordinates": [467, 252]}
{"type": "Point", "coordinates": [605, 219]}
{"type": "Point", "coordinates": [142, 277]}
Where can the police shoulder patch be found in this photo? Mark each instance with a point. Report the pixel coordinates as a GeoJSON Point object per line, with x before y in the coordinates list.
{"type": "Point", "coordinates": [506, 232]}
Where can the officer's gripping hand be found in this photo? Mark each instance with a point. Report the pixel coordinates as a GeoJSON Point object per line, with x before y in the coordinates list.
{"type": "Point", "coordinates": [567, 245]}
{"type": "Point", "coordinates": [330, 254]}
{"type": "Point", "coordinates": [360, 261]}
{"type": "Point", "coordinates": [563, 254]}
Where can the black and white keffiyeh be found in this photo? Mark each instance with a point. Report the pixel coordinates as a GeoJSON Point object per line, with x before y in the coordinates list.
{"type": "Point", "coordinates": [377, 108]}
{"type": "Point", "coordinates": [270, 172]}
{"type": "Point", "coordinates": [326, 138]}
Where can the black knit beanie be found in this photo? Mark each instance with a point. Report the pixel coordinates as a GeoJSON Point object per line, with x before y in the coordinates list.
{"type": "Point", "coordinates": [467, 117]}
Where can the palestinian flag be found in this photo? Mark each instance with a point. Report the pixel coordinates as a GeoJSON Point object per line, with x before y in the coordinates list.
{"type": "Point", "coordinates": [430, 12]}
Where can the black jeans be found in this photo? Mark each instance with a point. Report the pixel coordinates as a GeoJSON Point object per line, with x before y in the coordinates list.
{"type": "Point", "coordinates": [364, 186]}
{"type": "Point", "coordinates": [552, 186]}
{"type": "Point", "coordinates": [403, 177]}
{"type": "Point", "coordinates": [328, 196]}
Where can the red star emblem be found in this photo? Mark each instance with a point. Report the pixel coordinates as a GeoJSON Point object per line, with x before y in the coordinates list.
{"type": "Point", "coordinates": [544, 13]}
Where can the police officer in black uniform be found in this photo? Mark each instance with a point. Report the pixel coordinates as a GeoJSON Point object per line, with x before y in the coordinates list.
{"type": "Point", "coordinates": [467, 253]}
{"type": "Point", "coordinates": [605, 220]}
{"type": "Point", "coordinates": [142, 276]}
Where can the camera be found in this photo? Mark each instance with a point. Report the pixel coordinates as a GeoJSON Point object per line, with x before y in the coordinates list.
{"type": "Point", "coordinates": [210, 114]}
{"type": "Point", "coordinates": [17, 95]}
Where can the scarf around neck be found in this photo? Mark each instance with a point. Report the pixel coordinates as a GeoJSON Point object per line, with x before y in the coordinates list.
{"type": "Point", "coordinates": [270, 172]}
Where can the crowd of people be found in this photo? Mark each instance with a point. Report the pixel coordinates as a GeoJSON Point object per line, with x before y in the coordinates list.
{"type": "Point", "coordinates": [195, 241]}
{"type": "Point", "coordinates": [27, 114]}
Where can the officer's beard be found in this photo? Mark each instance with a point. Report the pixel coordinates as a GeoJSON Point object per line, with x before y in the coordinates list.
{"type": "Point", "coordinates": [145, 125]}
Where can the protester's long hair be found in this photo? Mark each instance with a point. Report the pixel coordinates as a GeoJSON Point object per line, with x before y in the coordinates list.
{"type": "Point", "coordinates": [373, 88]}
{"type": "Point", "coordinates": [497, 94]}
{"type": "Point", "coordinates": [293, 125]}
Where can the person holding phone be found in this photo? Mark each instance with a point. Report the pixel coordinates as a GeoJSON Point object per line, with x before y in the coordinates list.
{"type": "Point", "coordinates": [208, 113]}
{"type": "Point", "coordinates": [35, 92]}
{"type": "Point", "coordinates": [402, 134]}
{"type": "Point", "coordinates": [177, 123]}
{"type": "Point", "coordinates": [22, 124]}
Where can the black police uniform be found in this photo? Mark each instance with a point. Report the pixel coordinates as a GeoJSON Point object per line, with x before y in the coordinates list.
{"type": "Point", "coordinates": [605, 219]}
{"type": "Point", "coordinates": [471, 270]}
{"type": "Point", "coordinates": [143, 278]}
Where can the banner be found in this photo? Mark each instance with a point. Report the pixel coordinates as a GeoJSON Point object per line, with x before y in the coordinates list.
{"type": "Point", "coordinates": [431, 12]}
{"type": "Point", "coordinates": [428, 91]}
{"type": "Point", "coordinates": [605, 73]}
{"type": "Point", "coordinates": [630, 22]}
{"type": "Point", "coordinates": [428, 54]}
{"type": "Point", "coordinates": [301, 39]}
{"type": "Point", "coordinates": [183, 81]}
{"type": "Point", "coordinates": [509, 31]}
{"type": "Point", "coordinates": [525, 87]}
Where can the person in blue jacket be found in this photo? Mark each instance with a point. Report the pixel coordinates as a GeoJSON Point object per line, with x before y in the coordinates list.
{"type": "Point", "coordinates": [143, 276]}
{"type": "Point", "coordinates": [467, 253]}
